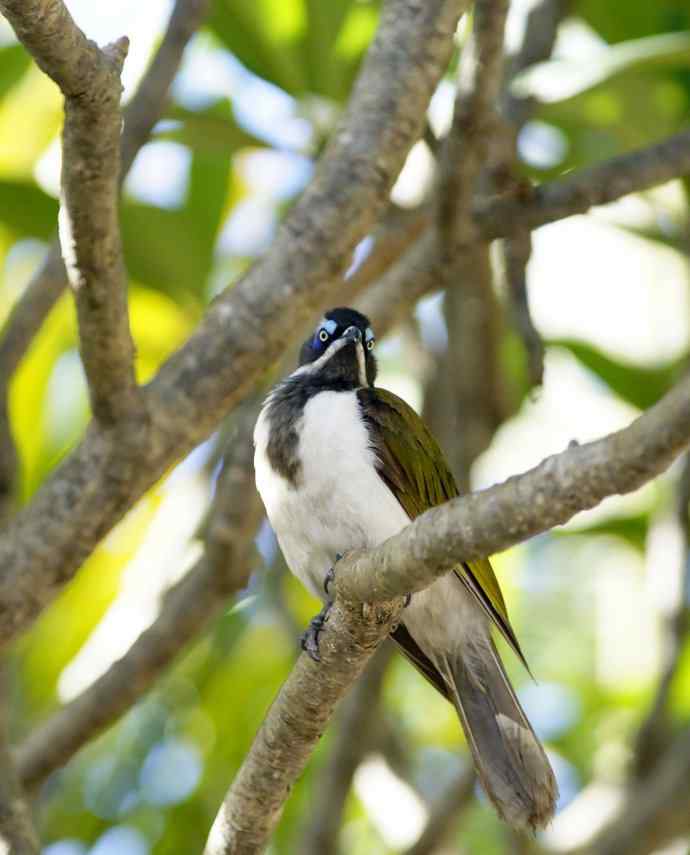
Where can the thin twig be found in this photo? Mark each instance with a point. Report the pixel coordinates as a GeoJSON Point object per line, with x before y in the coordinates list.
{"type": "Point", "coordinates": [655, 732]}
{"type": "Point", "coordinates": [17, 834]}
{"type": "Point", "coordinates": [655, 812]}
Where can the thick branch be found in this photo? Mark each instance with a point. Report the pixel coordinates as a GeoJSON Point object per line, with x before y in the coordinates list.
{"type": "Point", "coordinates": [293, 726]}
{"type": "Point", "coordinates": [467, 144]}
{"type": "Point", "coordinates": [467, 385]}
{"type": "Point", "coordinates": [89, 79]}
{"type": "Point", "coordinates": [50, 280]}
{"type": "Point", "coordinates": [478, 525]}
{"type": "Point", "coordinates": [352, 741]}
{"type": "Point", "coordinates": [466, 528]}
{"type": "Point", "coordinates": [246, 328]}
{"type": "Point", "coordinates": [187, 608]}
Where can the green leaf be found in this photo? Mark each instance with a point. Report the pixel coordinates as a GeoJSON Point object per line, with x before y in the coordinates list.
{"type": "Point", "coordinates": [640, 386]}
{"type": "Point", "coordinates": [263, 35]}
{"type": "Point", "coordinates": [212, 129]}
{"type": "Point", "coordinates": [14, 62]}
{"type": "Point", "coordinates": [632, 529]}
{"type": "Point", "coordinates": [616, 22]}
{"type": "Point", "coordinates": [27, 210]}
{"type": "Point", "coordinates": [560, 79]}
{"type": "Point", "coordinates": [303, 46]}
{"type": "Point", "coordinates": [173, 250]}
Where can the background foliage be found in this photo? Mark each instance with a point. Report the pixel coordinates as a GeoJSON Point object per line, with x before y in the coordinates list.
{"type": "Point", "coordinates": [258, 94]}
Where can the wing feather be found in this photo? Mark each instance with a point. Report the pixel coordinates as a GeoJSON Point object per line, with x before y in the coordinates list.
{"type": "Point", "coordinates": [412, 465]}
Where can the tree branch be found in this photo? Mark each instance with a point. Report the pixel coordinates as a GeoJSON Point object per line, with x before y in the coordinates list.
{"type": "Point", "coordinates": [654, 734]}
{"type": "Point", "coordinates": [577, 193]}
{"type": "Point", "coordinates": [246, 327]}
{"type": "Point", "coordinates": [656, 810]}
{"type": "Point", "coordinates": [89, 79]}
{"type": "Point", "coordinates": [17, 834]}
{"type": "Point", "coordinates": [467, 386]}
{"type": "Point", "coordinates": [49, 282]}
{"type": "Point", "coordinates": [370, 588]}
{"type": "Point", "coordinates": [147, 105]}
{"type": "Point", "coordinates": [187, 608]}
{"type": "Point", "coordinates": [352, 741]}
{"type": "Point", "coordinates": [457, 796]}
{"type": "Point", "coordinates": [420, 269]}
{"type": "Point", "coordinates": [478, 525]}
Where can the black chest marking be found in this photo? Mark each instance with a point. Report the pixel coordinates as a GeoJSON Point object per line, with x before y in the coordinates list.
{"type": "Point", "coordinates": [284, 414]}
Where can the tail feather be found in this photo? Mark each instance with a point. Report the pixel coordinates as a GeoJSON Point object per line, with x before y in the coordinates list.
{"type": "Point", "coordinates": [511, 763]}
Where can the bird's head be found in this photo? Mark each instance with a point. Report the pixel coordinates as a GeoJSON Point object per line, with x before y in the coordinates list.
{"type": "Point", "coordinates": [340, 350]}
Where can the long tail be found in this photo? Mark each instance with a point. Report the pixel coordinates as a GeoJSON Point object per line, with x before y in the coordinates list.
{"type": "Point", "coordinates": [509, 758]}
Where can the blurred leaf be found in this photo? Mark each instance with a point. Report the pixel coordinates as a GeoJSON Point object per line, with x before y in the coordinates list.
{"type": "Point", "coordinates": [632, 529]}
{"type": "Point", "coordinates": [263, 35]}
{"type": "Point", "coordinates": [34, 434]}
{"type": "Point", "coordinates": [560, 79]}
{"type": "Point", "coordinates": [640, 386]}
{"type": "Point", "coordinates": [27, 210]}
{"type": "Point", "coordinates": [159, 326]}
{"type": "Point", "coordinates": [30, 119]}
{"type": "Point", "coordinates": [212, 129]}
{"type": "Point", "coordinates": [14, 62]}
{"type": "Point", "coordinates": [302, 46]}
{"type": "Point", "coordinates": [67, 623]}
{"type": "Point", "coordinates": [617, 22]}
{"type": "Point", "coordinates": [173, 250]}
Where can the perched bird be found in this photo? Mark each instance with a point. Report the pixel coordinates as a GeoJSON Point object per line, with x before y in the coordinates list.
{"type": "Point", "coordinates": [341, 465]}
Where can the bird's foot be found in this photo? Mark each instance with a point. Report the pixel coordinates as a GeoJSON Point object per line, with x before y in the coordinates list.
{"type": "Point", "coordinates": [309, 642]}
{"type": "Point", "coordinates": [330, 576]}
{"type": "Point", "coordinates": [408, 600]}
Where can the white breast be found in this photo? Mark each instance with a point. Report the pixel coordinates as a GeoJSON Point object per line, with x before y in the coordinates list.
{"type": "Point", "coordinates": [340, 502]}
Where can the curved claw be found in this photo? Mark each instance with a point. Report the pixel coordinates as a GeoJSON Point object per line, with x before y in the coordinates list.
{"type": "Point", "coordinates": [309, 642]}
{"type": "Point", "coordinates": [330, 576]}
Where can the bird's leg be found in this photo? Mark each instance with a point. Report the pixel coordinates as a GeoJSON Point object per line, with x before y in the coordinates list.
{"type": "Point", "coordinates": [309, 642]}
{"type": "Point", "coordinates": [330, 576]}
{"type": "Point", "coordinates": [310, 637]}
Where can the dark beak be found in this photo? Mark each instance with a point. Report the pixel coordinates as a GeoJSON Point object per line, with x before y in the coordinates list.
{"type": "Point", "coordinates": [353, 334]}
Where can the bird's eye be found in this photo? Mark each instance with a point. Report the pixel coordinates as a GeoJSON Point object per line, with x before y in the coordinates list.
{"type": "Point", "coordinates": [370, 344]}
{"type": "Point", "coordinates": [323, 335]}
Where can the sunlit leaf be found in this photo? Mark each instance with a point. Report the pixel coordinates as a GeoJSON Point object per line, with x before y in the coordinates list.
{"type": "Point", "coordinates": [638, 385]}
{"type": "Point", "coordinates": [212, 129]}
{"type": "Point", "coordinates": [632, 529]}
{"type": "Point", "coordinates": [263, 35]}
{"type": "Point", "coordinates": [27, 210]}
{"type": "Point", "coordinates": [159, 326]}
{"type": "Point", "coordinates": [14, 62]}
{"type": "Point", "coordinates": [30, 118]}
{"type": "Point", "coordinates": [64, 627]}
{"type": "Point", "coordinates": [559, 79]}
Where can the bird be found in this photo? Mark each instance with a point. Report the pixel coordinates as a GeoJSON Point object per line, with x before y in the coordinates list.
{"type": "Point", "coordinates": [341, 464]}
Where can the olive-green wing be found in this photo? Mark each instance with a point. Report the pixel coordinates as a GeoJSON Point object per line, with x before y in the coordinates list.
{"type": "Point", "coordinates": [412, 465]}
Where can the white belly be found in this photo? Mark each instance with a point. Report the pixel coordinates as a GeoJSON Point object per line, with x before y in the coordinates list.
{"type": "Point", "coordinates": [340, 502]}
